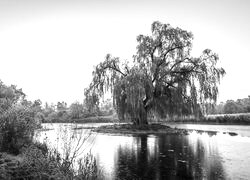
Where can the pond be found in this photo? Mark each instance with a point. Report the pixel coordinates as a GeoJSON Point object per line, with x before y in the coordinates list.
{"type": "Point", "coordinates": [199, 155]}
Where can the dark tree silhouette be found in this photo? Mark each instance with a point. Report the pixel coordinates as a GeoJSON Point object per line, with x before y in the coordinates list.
{"type": "Point", "coordinates": [164, 78]}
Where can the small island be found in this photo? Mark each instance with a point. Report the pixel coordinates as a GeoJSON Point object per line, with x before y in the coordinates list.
{"type": "Point", "coordinates": [130, 129]}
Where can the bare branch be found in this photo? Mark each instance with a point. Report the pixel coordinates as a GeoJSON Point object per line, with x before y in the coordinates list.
{"type": "Point", "coordinates": [115, 69]}
{"type": "Point", "coordinates": [164, 59]}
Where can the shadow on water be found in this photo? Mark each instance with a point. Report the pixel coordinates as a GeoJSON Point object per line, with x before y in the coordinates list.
{"type": "Point", "coordinates": [167, 157]}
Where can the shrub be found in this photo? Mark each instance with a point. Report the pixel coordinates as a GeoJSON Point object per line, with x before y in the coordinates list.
{"type": "Point", "coordinates": [17, 127]}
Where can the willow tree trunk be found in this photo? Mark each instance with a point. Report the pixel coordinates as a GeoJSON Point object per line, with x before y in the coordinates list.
{"type": "Point", "coordinates": [141, 118]}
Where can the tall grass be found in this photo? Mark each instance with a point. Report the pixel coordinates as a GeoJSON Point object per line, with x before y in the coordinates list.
{"type": "Point", "coordinates": [40, 163]}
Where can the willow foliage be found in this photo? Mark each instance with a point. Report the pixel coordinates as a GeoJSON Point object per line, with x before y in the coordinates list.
{"type": "Point", "coordinates": [164, 78]}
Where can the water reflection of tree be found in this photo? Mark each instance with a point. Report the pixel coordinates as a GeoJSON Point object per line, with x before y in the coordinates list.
{"type": "Point", "coordinates": [133, 162]}
{"type": "Point", "coordinates": [170, 157]}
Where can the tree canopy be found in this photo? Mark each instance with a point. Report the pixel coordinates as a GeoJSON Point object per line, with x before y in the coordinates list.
{"type": "Point", "coordinates": [9, 95]}
{"type": "Point", "coordinates": [163, 80]}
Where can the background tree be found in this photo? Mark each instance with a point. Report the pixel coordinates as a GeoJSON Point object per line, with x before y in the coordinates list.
{"type": "Point", "coordinates": [62, 111]}
{"type": "Point", "coordinates": [9, 95]}
{"type": "Point", "coordinates": [76, 110]}
{"type": "Point", "coordinates": [231, 107]}
{"type": "Point", "coordinates": [61, 106]}
{"type": "Point", "coordinates": [17, 122]}
{"type": "Point", "coordinates": [91, 101]}
{"type": "Point", "coordinates": [48, 109]}
{"type": "Point", "coordinates": [164, 78]}
{"type": "Point", "coordinates": [106, 107]}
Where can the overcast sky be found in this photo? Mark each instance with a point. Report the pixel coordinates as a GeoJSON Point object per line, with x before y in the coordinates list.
{"type": "Point", "coordinates": [49, 47]}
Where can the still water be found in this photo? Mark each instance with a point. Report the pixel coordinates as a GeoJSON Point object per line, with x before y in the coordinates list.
{"type": "Point", "coordinates": [195, 156]}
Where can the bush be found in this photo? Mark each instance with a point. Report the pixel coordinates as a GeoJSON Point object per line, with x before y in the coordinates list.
{"type": "Point", "coordinates": [17, 127]}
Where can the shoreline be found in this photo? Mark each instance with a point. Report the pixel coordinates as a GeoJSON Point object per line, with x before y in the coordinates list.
{"type": "Point", "coordinates": [152, 129]}
{"type": "Point", "coordinates": [160, 122]}
{"type": "Point", "coordinates": [230, 119]}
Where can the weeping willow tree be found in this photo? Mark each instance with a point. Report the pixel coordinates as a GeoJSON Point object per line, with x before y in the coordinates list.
{"type": "Point", "coordinates": [164, 79]}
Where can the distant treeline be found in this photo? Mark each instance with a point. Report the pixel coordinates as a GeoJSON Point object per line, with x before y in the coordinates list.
{"type": "Point", "coordinates": [13, 98]}
{"type": "Point", "coordinates": [75, 112]}
{"type": "Point", "coordinates": [231, 107]}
